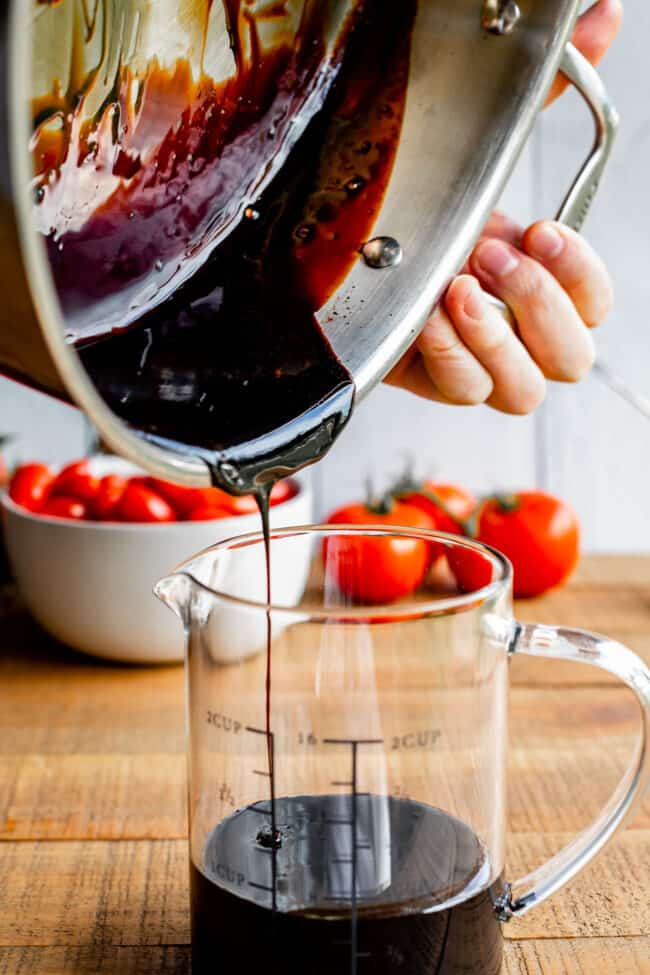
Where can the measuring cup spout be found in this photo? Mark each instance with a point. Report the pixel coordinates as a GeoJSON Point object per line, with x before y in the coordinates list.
{"type": "Point", "coordinates": [175, 591]}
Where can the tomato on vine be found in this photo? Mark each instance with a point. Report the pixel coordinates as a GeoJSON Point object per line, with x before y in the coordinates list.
{"type": "Point", "coordinates": [538, 532]}
{"type": "Point", "coordinates": [450, 506]}
{"type": "Point", "coordinates": [377, 569]}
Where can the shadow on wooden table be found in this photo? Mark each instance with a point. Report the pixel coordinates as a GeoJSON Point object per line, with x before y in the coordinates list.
{"type": "Point", "coordinates": [23, 639]}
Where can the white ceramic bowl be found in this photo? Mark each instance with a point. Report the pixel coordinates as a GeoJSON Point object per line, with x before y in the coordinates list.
{"type": "Point", "coordinates": [90, 584]}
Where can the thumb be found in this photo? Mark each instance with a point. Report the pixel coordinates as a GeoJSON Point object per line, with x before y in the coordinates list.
{"type": "Point", "coordinates": [595, 33]}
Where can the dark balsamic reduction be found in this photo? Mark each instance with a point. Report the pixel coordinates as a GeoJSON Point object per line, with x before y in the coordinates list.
{"type": "Point", "coordinates": [412, 859]}
{"type": "Point", "coordinates": [234, 367]}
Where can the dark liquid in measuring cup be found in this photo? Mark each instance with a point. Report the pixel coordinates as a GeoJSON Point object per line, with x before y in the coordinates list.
{"type": "Point", "coordinates": [411, 860]}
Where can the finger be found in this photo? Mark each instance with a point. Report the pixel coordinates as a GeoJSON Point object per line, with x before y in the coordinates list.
{"type": "Point", "coordinates": [412, 376]}
{"type": "Point", "coordinates": [455, 373]}
{"type": "Point", "coordinates": [549, 324]}
{"type": "Point", "coordinates": [500, 225]}
{"type": "Point", "coordinates": [575, 265]}
{"type": "Point", "coordinates": [594, 35]}
{"type": "Point", "coordinates": [519, 386]}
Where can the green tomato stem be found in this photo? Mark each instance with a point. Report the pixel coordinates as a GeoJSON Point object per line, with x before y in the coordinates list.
{"type": "Point", "coordinates": [406, 488]}
{"type": "Point", "coordinates": [506, 502]}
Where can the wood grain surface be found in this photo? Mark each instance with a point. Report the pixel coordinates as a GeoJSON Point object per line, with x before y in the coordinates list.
{"type": "Point", "coordinates": [93, 874]}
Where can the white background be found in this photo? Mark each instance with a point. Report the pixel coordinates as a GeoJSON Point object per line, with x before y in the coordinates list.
{"type": "Point", "coordinates": [584, 444]}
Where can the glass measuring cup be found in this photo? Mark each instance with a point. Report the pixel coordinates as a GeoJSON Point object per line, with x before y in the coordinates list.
{"type": "Point", "coordinates": [347, 787]}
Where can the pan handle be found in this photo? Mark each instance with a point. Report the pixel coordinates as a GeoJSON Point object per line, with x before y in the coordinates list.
{"type": "Point", "coordinates": [586, 79]}
{"type": "Point", "coordinates": [578, 201]}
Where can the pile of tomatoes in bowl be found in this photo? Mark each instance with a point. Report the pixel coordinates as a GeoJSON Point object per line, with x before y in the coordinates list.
{"type": "Point", "coordinates": [537, 532]}
{"type": "Point", "coordinates": [76, 493]}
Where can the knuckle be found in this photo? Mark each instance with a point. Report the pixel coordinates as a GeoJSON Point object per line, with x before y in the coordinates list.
{"type": "Point", "coordinates": [455, 372]}
{"type": "Point", "coordinates": [495, 336]}
{"type": "Point", "coordinates": [530, 282]}
{"type": "Point", "coordinates": [531, 290]}
{"type": "Point", "coordinates": [439, 340]}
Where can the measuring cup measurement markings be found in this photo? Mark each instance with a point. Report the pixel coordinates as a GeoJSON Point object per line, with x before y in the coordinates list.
{"type": "Point", "coordinates": [351, 894]}
{"type": "Point", "coordinates": [268, 839]}
{"type": "Point", "coordinates": [343, 856]}
{"type": "Point", "coordinates": [414, 740]}
{"type": "Point", "coordinates": [410, 740]}
{"type": "Point", "coordinates": [356, 846]}
{"type": "Point", "coordinates": [367, 834]}
{"type": "Point", "coordinates": [223, 722]}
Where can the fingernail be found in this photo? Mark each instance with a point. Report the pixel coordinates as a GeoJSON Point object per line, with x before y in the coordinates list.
{"type": "Point", "coordinates": [474, 304]}
{"type": "Point", "coordinates": [546, 242]}
{"type": "Point", "coordinates": [496, 258]}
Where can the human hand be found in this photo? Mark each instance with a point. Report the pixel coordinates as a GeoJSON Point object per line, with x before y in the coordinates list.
{"type": "Point", "coordinates": [551, 278]}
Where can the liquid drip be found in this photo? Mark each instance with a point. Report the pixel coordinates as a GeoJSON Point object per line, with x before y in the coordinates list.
{"type": "Point", "coordinates": [424, 895]}
{"type": "Point", "coordinates": [263, 501]}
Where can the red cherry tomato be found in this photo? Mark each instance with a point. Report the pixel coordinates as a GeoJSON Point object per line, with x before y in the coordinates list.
{"type": "Point", "coordinates": [182, 499]}
{"type": "Point", "coordinates": [141, 504]}
{"type": "Point", "coordinates": [539, 533]}
{"type": "Point", "coordinates": [143, 480]}
{"type": "Point", "coordinates": [109, 494]}
{"type": "Point", "coordinates": [448, 505]}
{"type": "Point", "coordinates": [472, 570]}
{"type": "Point", "coordinates": [65, 507]}
{"type": "Point", "coordinates": [246, 504]}
{"type": "Point", "coordinates": [207, 512]}
{"type": "Point", "coordinates": [377, 570]}
{"type": "Point", "coordinates": [185, 501]}
{"type": "Point", "coordinates": [30, 486]}
{"type": "Point", "coordinates": [457, 501]}
{"type": "Point", "coordinates": [76, 481]}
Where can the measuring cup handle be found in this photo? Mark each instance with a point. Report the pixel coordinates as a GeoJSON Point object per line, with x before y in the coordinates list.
{"type": "Point", "coordinates": [586, 648]}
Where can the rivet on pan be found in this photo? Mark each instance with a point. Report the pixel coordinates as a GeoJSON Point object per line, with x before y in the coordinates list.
{"type": "Point", "coordinates": [500, 16]}
{"type": "Point", "coordinates": [382, 252]}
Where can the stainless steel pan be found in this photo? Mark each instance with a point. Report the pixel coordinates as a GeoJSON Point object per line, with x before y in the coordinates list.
{"type": "Point", "coordinates": [480, 73]}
